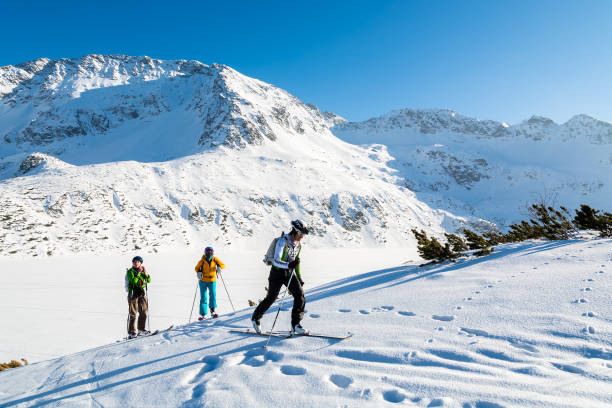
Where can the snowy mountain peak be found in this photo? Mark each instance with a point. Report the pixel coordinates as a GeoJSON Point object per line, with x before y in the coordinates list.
{"type": "Point", "coordinates": [488, 168]}
{"type": "Point", "coordinates": [69, 107]}
{"type": "Point", "coordinates": [427, 121]}
{"type": "Point", "coordinates": [135, 153]}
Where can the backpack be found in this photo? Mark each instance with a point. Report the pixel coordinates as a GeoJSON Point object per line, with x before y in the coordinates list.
{"type": "Point", "coordinates": [127, 282]}
{"type": "Point", "coordinates": [269, 256]}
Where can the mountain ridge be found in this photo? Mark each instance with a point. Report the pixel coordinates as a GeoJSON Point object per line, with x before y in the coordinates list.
{"type": "Point", "coordinates": [94, 162]}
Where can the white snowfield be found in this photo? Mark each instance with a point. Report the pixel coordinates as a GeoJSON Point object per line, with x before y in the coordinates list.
{"type": "Point", "coordinates": [528, 326]}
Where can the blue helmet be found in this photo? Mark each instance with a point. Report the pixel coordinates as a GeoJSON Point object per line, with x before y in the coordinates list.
{"type": "Point", "coordinates": [137, 258]}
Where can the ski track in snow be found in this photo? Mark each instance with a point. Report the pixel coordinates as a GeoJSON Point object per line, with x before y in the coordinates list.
{"type": "Point", "coordinates": [498, 332]}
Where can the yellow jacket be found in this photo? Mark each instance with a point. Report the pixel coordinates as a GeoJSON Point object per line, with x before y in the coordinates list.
{"type": "Point", "coordinates": [209, 269]}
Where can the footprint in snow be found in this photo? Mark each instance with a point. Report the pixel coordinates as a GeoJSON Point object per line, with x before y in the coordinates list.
{"type": "Point", "coordinates": [344, 310]}
{"type": "Point", "coordinates": [292, 370]}
{"type": "Point", "coordinates": [581, 300]}
{"type": "Point", "coordinates": [437, 402]}
{"type": "Point", "coordinates": [483, 404]}
{"type": "Point", "coordinates": [589, 314]}
{"type": "Point", "coordinates": [364, 312]}
{"type": "Point", "coordinates": [394, 396]}
{"type": "Point", "coordinates": [585, 290]}
{"type": "Point", "coordinates": [589, 280]}
{"type": "Point", "coordinates": [406, 313]}
{"type": "Point", "coordinates": [258, 357]}
{"type": "Point", "coordinates": [459, 307]}
{"type": "Point", "coordinates": [340, 381]}
{"type": "Point", "coordinates": [477, 292]}
{"type": "Point", "coordinates": [314, 316]}
{"type": "Point", "coordinates": [589, 330]}
{"type": "Point", "coordinates": [443, 318]}
{"type": "Point", "coordinates": [210, 363]}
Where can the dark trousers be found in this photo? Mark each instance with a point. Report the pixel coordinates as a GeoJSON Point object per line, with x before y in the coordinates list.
{"type": "Point", "coordinates": [276, 280]}
{"type": "Point", "coordinates": [140, 305]}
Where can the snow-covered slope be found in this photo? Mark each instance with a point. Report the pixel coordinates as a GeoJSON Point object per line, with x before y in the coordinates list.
{"type": "Point", "coordinates": [491, 169]}
{"type": "Point", "coordinates": [526, 327]}
{"type": "Point", "coordinates": [107, 152]}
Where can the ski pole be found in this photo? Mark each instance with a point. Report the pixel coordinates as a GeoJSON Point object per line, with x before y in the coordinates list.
{"type": "Point", "coordinates": [228, 295]}
{"type": "Point", "coordinates": [194, 296]}
{"type": "Point", "coordinates": [279, 308]}
{"type": "Point", "coordinates": [148, 312]}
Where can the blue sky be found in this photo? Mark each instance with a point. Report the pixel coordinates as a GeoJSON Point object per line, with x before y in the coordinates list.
{"type": "Point", "coordinates": [502, 60]}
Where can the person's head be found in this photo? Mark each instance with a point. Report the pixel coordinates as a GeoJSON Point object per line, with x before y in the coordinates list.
{"type": "Point", "coordinates": [298, 230]}
{"type": "Point", "coordinates": [137, 261]}
{"type": "Point", "coordinates": [208, 253]}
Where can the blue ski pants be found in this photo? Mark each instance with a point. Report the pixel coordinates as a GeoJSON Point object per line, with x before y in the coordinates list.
{"type": "Point", "coordinates": [212, 296]}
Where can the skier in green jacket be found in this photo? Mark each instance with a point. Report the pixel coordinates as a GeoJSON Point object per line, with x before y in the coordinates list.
{"type": "Point", "coordinates": [137, 279]}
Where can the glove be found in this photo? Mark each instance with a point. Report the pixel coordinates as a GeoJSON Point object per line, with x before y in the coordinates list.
{"type": "Point", "coordinates": [218, 269]}
{"type": "Point", "coordinates": [293, 264]}
{"type": "Point", "coordinates": [199, 275]}
{"type": "Point", "coordinates": [301, 281]}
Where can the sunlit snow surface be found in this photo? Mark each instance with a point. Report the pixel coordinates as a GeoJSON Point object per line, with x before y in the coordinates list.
{"type": "Point", "coordinates": [528, 326]}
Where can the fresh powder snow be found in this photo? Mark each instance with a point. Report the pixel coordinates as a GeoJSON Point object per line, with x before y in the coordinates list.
{"type": "Point", "coordinates": [525, 327]}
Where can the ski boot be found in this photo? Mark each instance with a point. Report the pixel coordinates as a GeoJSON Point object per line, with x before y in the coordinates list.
{"type": "Point", "coordinates": [298, 329]}
{"type": "Point", "coordinates": [256, 325]}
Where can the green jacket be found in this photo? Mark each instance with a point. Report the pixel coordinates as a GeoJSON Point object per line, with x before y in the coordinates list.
{"type": "Point", "coordinates": [137, 281]}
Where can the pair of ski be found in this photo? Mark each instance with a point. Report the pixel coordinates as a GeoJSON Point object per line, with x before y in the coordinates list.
{"type": "Point", "coordinates": [288, 334]}
{"type": "Point", "coordinates": [153, 333]}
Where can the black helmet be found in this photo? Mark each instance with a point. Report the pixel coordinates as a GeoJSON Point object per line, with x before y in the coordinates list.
{"type": "Point", "coordinates": [137, 258]}
{"type": "Point", "coordinates": [299, 226]}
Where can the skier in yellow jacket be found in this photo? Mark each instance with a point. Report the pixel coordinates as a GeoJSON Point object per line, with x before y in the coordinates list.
{"type": "Point", "coordinates": [206, 270]}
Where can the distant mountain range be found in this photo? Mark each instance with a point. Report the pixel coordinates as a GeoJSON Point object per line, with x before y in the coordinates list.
{"type": "Point", "coordinates": [116, 152]}
{"type": "Point", "coordinates": [491, 169]}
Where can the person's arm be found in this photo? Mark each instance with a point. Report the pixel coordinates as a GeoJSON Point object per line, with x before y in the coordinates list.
{"type": "Point", "coordinates": [219, 263]}
{"type": "Point", "coordinates": [278, 254]}
{"type": "Point", "coordinates": [198, 267]}
{"type": "Point", "coordinates": [146, 275]}
{"type": "Point", "coordinates": [297, 269]}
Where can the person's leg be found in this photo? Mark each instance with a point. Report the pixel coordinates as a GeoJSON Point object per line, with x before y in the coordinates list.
{"type": "Point", "coordinates": [275, 282]}
{"type": "Point", "coordinates": [132, 310]}
{"type": "Point", "coordinates": [203, 304]}
{"type": "Point", "coordinates": [299, 301]}
{"type": "Point", "coordinates": [212, 296]}
{"type": "Point", "coordinates": [143, 310]}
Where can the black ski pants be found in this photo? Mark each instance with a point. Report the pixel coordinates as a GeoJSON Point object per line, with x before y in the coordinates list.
{"type": "Point", "coordinates": [276, 280]}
